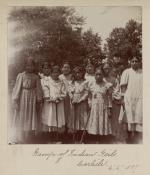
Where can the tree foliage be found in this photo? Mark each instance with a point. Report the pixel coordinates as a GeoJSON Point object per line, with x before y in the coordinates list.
{"type": "Point", "coordinates": [48, 33]}
{"type": "Point", "coordinates": [92, 47]}
{"type": "Point", "coordinates": [126, 42]}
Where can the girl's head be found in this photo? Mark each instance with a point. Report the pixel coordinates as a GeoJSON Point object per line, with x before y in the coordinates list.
{"type": "Point", "coordinates": [46, 69]}
{"type": "Point", "coordinates": [78, 73]}
{"type": "Point", "coordinates": [30, 65]}
{"type": "Point", "coordinates": [90, 69]}
{"type": "Point", "coordinates": [106, 69]}
{"type": "Point", "coordinates": [55, 72]}
{"type": "Point", "coordinates": [66, 68]}
{"type": "Point", "coordinates": [135, 62]}
{"type": "Point", "coordinates": [114, 72]}
{"type": "Point", "coordinates": [99, 75]}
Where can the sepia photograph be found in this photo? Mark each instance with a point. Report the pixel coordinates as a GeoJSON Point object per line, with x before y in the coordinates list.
{"type": "Point", "coordinates": [75, 75]}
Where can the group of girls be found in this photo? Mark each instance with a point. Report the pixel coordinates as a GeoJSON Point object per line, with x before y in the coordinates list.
{"type": "Point", "coordinates": [60, 105]}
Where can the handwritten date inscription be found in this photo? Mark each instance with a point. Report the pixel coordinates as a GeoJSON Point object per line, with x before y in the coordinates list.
{"type": "Point", "coordinates": [85, 158]}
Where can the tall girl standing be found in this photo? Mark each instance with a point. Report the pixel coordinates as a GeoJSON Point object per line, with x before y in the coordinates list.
{"type": "Point", "coordinates": [78, 94]}
{"type": "Point", "coordinates": [111, 75]}
{"type": "Point", "coordinates": [66, 78]}
{"type": "Point", "coordinates": [131, 87]}
{"type": "Point", "coordinates": [26, 96]}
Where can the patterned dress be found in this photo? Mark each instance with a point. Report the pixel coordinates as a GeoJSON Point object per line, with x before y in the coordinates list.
{"type": "Point", "coordinates": [27, 92]}
{"type": "Point", "coordinates": [99, 122]}
{"type": "Point", "coordinates": [55, 116]}
{"type": "Point", "coordinates": [133, 98]}
{"type": "Point", "coordinates": [79, 112]}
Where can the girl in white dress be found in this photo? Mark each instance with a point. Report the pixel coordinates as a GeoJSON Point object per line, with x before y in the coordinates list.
{"type": "Point", "coordinates": [54, 118]}
{"type": "Point", "coordinates": [78, 93]}
{"type": "Point", "coordinates": [99, 122]}
{"type": "Point", "coordinates": [131, 87]}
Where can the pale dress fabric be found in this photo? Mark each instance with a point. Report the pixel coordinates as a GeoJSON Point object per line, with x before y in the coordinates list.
{"type": "Point", "coordinates": [79, 112]}
{"type": "Point", "coordinates": [99, 122]}
{"type": "Point", "coordinates": [27, 92]}
{"type": "Point", "coordinates": [89, 78]}
{"type": "Point", "coordinates": [133, 98]}
{"type": "Point", "coordinates": [45, 81]}
{"type": "Point", "coordinates": [67, 104]}
{"type": "Point", "coordinates": [54, 118]}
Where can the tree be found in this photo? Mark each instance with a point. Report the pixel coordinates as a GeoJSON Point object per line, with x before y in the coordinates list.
{"type": "Point", "coordinates": [92, 50]}
{"type": "Point", "coordinates": [133, 32]}
{"type": "Point", "coordinates": [52, 33]}
{"type": "Point", "coordinates": [125, 42]}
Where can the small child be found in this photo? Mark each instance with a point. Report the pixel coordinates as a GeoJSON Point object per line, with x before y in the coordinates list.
{"type": "Point", "coordinates": [99, 122]}
{"type": "Point", "coordinates": [54, 118]}
{"type": "Point", "coordinates": [78, 94]}
{"type": "Point", "coordinates": [26, 95]}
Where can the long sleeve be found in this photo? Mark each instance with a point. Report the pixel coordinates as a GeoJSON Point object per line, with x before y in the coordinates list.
{"type": "Point", "coordinates": [17, 88]}
{"type": "Point", "coordinates": [85, 93]}
{"type": "Point", "coordinates": [109, 97]}
{"type": "Point", "coordinates": [63, 91]}
{"type": "Point", "coordinates": [39, 91]}
{"type": "Point", "coordinates": [124, 78]}
{"type": "Point", "coordinates": [124, 81]}
{"type": "Point", "coordinates": [116, 94]}
{"type": "Point", "coordinates": [71, 89]}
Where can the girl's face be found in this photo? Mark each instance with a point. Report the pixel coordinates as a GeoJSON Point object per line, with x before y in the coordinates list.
{"type": "Point", "coordinates": [78, 75]}
{"type": "Point", "coordinates": [106, 69]}
{"type": "Point", "coordinates": [30, 68]}
{"type": "Point", "coordinates": [113, 72]}
{"type": "Point", "coordinates": [90, 69]}
{"type": "Point", "coordinates": [66, 69]}
{"type": "Point", "coordinates": [98, 76]}
{"type": "Point", "coordinates": [46, 71]}
{"type": "Point", "coordinates": [134, 63]}
{"type": "Point", "coordinates": [55, 75]}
